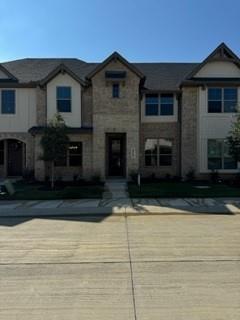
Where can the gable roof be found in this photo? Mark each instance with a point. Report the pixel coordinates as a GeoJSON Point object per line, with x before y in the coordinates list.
{"type": "Point", "coordinates": [8, 74]}
{"type": "Point", "coordinates": [34, 70]}
{"type": "Point", "coordinates": [115, 56]}
{"type": "Point", "coordinates": [156, 76]}
{"type": "Point", "coordinates": [61, 68]}
{"type": "Point", "coordinates": [221, 53]}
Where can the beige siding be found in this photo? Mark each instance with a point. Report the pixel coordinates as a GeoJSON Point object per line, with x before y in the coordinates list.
{"type": "Point", "coordinates": [25, 115]}
{"type": "Point", "coordinates": [211, 126]}
{"type": "Point", "coordinates": [73, 118]}
{"type": "Point", "coordinates": [219, 69]}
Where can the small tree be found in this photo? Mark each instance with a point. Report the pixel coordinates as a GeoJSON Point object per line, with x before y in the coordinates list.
{"type": "Point", "coordinates": [234, 140]}
{"type": "Point", "coordinates": [54, 143]}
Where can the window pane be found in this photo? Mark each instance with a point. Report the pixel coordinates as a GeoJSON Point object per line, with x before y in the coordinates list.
{"type": "Point", "coordinates": [166, 109]}
{"type": "Point", "coordinates": [75, 154]}
{"type": "Point", "coordinates": [75, 161]}
{"type": "Point", "coordinates": [214, 94]}
{"type": "Point", "coordinates": [214, 106]}
{"type": "Point", "coordinates": [165, 160]}
{"type": "Point", "coordinates": [165, 146]}
{"type": "Point", "coordinates": [64, 105]}
{"type": "Point", "coordinates": [214, 148]}
{"type": "Point", "coordinates": [151, 160]}
{"type": "Point", "coordinates": [230, 106]}
{"type": "Point", "coordinates": [151, 146]}
{"type": "Point", "coordinates": [63, 92]}
{"type": "Point", "coordinates": [8, 101]}
{"type": "Point", "coordinates": [230, 94]}
{"type": "Point", "coordinates": [152, 98]}
{"type": "Point", "coordinates": [214, 163]}
{"type": "Point", "coordinates": [167, 98]}
{"type": "Point", "coordinates": [230, 163]}
{"type": "Point", "coordinates": [151, 110]}
{"type": "Point", "coordinates": [75, 148]}
{"type": "Point", "coordinates": [115, 90]}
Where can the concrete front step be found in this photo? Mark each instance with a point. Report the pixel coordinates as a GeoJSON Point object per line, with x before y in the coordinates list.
{"type": "Point", "coordinates": [115, 189]}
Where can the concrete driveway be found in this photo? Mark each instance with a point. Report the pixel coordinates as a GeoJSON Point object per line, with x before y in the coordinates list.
{"type": "Point", "coordinates": [137, 267]}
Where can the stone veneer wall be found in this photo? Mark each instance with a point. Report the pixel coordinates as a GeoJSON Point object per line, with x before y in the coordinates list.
{"type": "Point", "coordinates": [115, 115]}
{"type": "Point", "coordinates": [29, 142]}
{"type": "Point", "coordinates": [41, 105]}
{"type": "Point", "coordinates": [156, 131]}
{"type": "Point", "coordinates": [87, 107]}
{"type": "Point", "coordinates": [189, 129]}
{"type": "Point", "coordinates": [42, 169]}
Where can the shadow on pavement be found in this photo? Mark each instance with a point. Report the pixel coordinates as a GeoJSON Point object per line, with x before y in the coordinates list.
{"type": "Point", "coordinates": [14, 221]}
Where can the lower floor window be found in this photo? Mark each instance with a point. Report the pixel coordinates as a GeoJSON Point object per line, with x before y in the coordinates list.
{"type": "Point", "coordinates": [73, 156]}
{"type": "Point", "coordinates": [218, 155]}
{"type": "Point", "coordinates": [158, 152]}
{"type": "Point", "coordinates": [1, 153]}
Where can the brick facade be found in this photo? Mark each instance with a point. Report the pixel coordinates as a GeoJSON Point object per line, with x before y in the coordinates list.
{"type": "Point", "coordinates": [113, 115]}
{"type": "Point", "coordinates": [189, 130]}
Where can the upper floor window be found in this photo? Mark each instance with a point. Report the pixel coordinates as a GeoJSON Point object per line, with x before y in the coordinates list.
{"type": "Point", "coordinates": [222, 100]}
{"type": "Point", "coordinates": [162, 104]}
{"type": "Point", "coordinates": [218, 155]}
{"type": "Point", "coordinates": [64, 99]}
{"type": "Point", "coordinates": [8, 101]}
{"type": "Point", "coordinates": [115, 90]}
{"type": "Point", "coordinates": [158, 152]}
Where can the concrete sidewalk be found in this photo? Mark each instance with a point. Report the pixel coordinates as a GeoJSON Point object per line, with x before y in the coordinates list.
{"type": "Point", "coordinates": [120, 206]}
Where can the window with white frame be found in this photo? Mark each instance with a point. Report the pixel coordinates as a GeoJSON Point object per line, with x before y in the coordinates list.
{"type": "Point", "coordinates": [158, 152]}
{"type": "Point", "coordinates": [8, 101]}
{"type": "Point", "coordinates": [64, 99]}
{"type": "Point", "coordinates": [222, 100]}
{"type": "Point", "coordinates": [218, 155]}
{"type": "Point", "coordinates": [159, 104]}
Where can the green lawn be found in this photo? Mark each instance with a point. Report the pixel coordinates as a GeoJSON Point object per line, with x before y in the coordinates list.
{"type": "Point", "coordinates": [37, 192]}
{"type": "Point", "coordinates": [181, 189]}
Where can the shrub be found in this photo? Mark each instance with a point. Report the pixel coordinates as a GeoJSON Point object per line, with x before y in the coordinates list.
{"type": "Point", "coordinates": [190, 176]}
{"type": "Point", "coordinates": [28, 175]}
{"type": "Point", "coordinates": [134, 176]}
{"type": "Point", "coordinates": [214, 176]}
{"type": "Point", "coordinates": [96, 178]}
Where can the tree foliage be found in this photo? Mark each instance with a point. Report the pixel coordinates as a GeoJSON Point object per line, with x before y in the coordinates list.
{"type": "Point", "coordinates": [234, 139]}
{"type": "Point", "coordinates": [54, 142]}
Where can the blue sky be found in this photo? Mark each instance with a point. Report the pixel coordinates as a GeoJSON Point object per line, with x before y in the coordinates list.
{"type": "Point", "coordinates": [141, 30]}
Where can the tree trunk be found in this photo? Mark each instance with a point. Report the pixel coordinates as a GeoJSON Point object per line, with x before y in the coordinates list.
{"type": "Point", "coordinates": [52, 175]}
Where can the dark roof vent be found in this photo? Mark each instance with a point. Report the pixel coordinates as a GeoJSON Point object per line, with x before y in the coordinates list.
{"type": "Point", "coordinates": [115, 74]}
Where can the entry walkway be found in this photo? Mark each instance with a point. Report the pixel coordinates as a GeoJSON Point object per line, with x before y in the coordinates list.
{"type": "Point", "coordinates": [121, 206]}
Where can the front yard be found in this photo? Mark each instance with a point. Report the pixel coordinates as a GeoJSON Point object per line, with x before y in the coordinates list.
{"type": "Point", "coordinates": [181, 190]}
{"type": "Point", "coordinates": [39, 191]}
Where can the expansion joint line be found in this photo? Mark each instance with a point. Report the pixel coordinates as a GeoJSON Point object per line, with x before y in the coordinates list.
{"type": "Point", "coordinates": [131, 268]}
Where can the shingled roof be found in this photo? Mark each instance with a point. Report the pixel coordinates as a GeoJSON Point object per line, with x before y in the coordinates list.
{"type": "Point", "coordinates": [159, 76]}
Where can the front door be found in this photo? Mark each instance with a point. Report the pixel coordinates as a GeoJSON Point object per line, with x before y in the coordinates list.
{"type": "Point", "coordinates": [116, 155]}
{"type": "Point", "coordinates": [14, 157]}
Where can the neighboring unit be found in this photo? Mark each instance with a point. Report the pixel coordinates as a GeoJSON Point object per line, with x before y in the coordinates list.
{"type": "Point", "coordinates": [154, 118]}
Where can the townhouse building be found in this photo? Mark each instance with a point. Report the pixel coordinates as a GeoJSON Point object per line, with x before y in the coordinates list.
{"type": "Point", "coordinates": [122, 117]}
